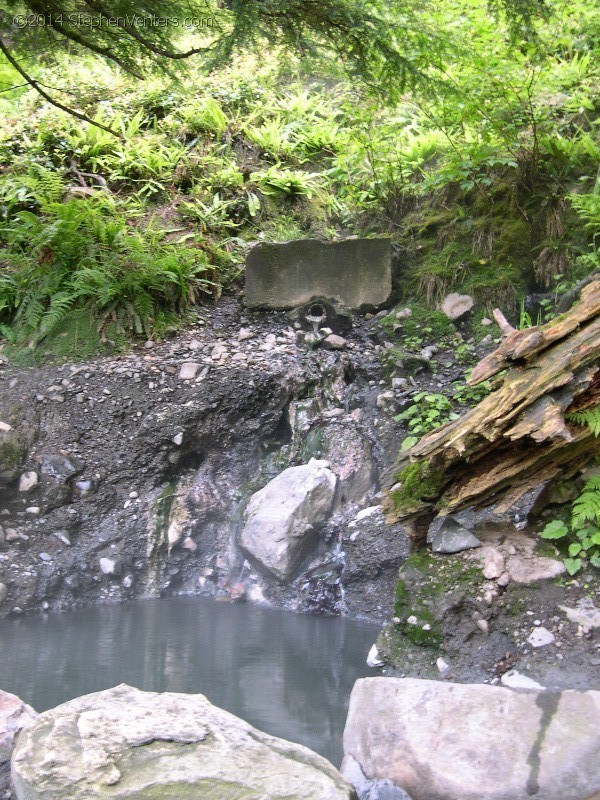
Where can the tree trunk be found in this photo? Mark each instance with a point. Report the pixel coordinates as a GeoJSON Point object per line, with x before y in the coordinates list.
{"type": "Point", "coordinates": [520, 435]}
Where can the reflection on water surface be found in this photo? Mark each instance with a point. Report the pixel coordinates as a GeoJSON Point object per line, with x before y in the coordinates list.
{"type": "Point", "coordinates": [287, 674]}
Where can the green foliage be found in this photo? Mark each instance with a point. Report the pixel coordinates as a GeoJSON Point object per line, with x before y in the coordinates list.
{"type": "Point", "coordinates": [423, 324]}
{"type": "Point", "coordinates": [427, 412]}
{"type": "Point", "coordinates": [38, 186]}
{"type": "Point", "coordinates": [525, 320]}
{"type": "Point", "coordinates": [582, 537]}
{"type": "Point", "coordinates": [589, 417]}
{"type": "Point", "coordinates": [215, 215]}
{"type": "Point", "coordinates": [588, 208]}
{"type": "Point", "coordinates": [203, 116]}
{"type": "Point", "coordinates": [283, 228]}
{"type": "Point", "coordinates": [586, 508]}
{"type": "Point", "coordinates": [74, 255]}
{"type": "Point", "coordinates": [291, 183]}
{"type": "Point", "coordinates": [464, 353]}
{"type": "Point", "coordinates": [12, 452]}
{"type": "Point", "coordinates": [417, 483]}
{"type": "Point", "coordinates": [470, 395]}
{"type": "Point", "coordinates": [583, 534]}
{"type": "Point", "coordinates": [481, 164]}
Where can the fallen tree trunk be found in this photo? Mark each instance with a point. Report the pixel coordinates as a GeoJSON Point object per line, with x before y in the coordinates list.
{"type": "Point", "coordinates": [521, 434]}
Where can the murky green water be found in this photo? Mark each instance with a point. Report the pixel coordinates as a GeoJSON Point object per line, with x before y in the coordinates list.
{"type": "Point", "coordinates": [287, 674]}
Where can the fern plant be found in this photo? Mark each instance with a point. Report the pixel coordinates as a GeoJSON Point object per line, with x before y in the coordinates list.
{"type": "Point", "coordinates": [583, 535]}
{"type": "Point", "coordinates": [288, 182]}
{"type": "Point", "coordinates": [78, 255]}
{"type": "Point", "coordinates": [589, 417]}
{"type": "Point", "coordinates": [32, 190]}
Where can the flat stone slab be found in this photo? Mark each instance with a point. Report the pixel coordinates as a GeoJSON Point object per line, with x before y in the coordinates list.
{"type": "Point", "coordinates": [444, 741]}
{"type": "Point", "coordinates": [356, 273]}
{"type": "Point", "coordinates": [449, 536]}
{"type": "Point", "coordinates": [124, 743]}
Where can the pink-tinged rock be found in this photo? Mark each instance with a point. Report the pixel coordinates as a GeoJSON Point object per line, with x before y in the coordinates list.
{"type": "Point", "coordinates": [14, 714]}
{"type": "Point", "coordinates": [455, 306]}
{"type": "Point", "coordinates": [531, 570]}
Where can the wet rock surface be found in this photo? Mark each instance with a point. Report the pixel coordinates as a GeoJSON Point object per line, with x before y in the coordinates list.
{"type": "Point", "coordinates": [468, 612]}
{"type": "Point", "coordinates": [131, 744]}
{"type": "Point", "coordinates": [282, 518]}
{"type": "Point", "coordinates": [127, 477]}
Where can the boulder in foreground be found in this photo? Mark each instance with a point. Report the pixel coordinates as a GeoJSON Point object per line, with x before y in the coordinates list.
{"type": "Point", "coordinates": [14, 714]}
{"type": "Point", "coordinates": [444, 741]}
{"type": "Point", "coordinates": [125, 743]}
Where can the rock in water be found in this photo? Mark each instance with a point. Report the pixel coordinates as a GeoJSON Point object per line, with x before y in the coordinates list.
{"type": "Point", "coordinates": [371, 790]}
{"type": "Point", "coordinates": [124, 743]}
{"type": "Point", "coordinates": [282, 517]}
{"type": "Point", "coordinates": [443, 741]}
{"type": "Point", "coordinates": [373, 658]}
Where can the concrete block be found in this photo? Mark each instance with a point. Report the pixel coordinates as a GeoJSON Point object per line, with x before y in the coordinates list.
{"type": "Point", "coordinates": [356, 273]}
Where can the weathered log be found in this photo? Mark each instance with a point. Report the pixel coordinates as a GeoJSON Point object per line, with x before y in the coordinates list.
{"type": "Point", "coordinates": [517, 345]}
{"type": "Point", "coordinates": [520, 435]}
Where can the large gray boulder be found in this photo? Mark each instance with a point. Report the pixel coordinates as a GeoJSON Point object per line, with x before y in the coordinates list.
{"type": "Point", "coordinates": [124, 743]}
{"type": "Point", "coordinates": [356, 273]}
{"type": "Point", "coordinates": [282, 518]}
{"type": "Point", "coordinates": [14, 714]}
{"type": "Point", "coordinates": [444, 741]}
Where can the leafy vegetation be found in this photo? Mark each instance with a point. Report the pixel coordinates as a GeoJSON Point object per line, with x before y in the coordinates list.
{"type": "Point", "coordinates": [582, 536]}
{"type": "Point", "coordinates": [427, 412]}
{"type": "Point", "coordinates": [589, 417]}
{"type": "Point", "coordinates": [480, 162]}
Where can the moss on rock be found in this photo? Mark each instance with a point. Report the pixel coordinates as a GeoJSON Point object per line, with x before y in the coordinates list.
{"type": "Point", "coordinates": [12, 453]}
{"type": "Point", "coordinates": [419, 483]}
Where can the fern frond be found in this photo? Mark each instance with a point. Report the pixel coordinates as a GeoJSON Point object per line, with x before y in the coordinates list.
{"type": "Point", "coordinates": [587, 506]}
{"type": "Point", "coordinates": [7, 333]}
{"type": "Point", "coordinates": [59, 306]}
{"type": "Point", "coordinates": [592, 484]}
{"type": "Point", "coordinates": [589, 417]}
{"type": "Point", "coordinates": [46, 184]}
{"type": "Point", "coordinates": [31, 312]}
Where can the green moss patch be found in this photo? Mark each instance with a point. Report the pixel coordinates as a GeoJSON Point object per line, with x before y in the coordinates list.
{"type": "Point", "coordinates": [420, 484]}
{"type": "Point", "coordinates": [12, 452]}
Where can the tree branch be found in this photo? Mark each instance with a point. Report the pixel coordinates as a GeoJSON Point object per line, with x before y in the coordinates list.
{"type": "Point", "coordinates": [37, 86]}
{"type": "Point", "coordinates": [153, 48]}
